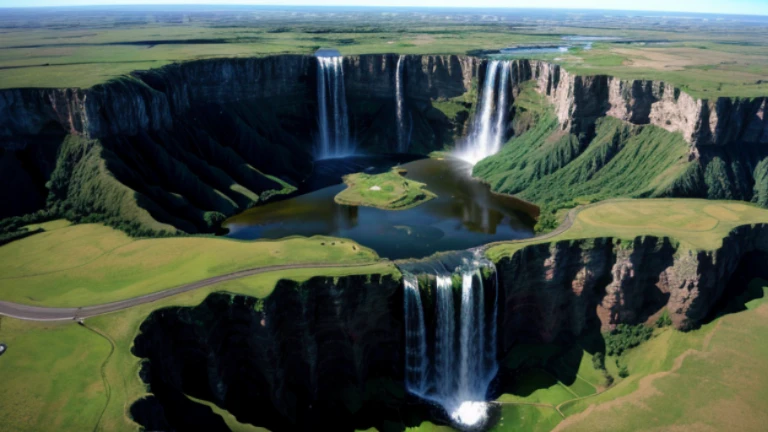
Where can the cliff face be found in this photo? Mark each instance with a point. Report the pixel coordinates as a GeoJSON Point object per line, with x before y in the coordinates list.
{"type": "Point", "coordinates": [553, 290]}
{"type": "Point", "coordinates": [312, 355]}
{"type": "Point", "coordinates": [212, 135]}
{"type": "Point", "coordinates": [581, 99]}
{"type": "Point", "coordinates": [331, 352]}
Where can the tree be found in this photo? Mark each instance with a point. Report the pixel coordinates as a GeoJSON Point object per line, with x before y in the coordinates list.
{"type": "Point", "coordinates": [213, 219]}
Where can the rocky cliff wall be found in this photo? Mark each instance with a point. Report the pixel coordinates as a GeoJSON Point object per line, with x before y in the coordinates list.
{"type": "Point", "coordinates": [150, 99]}
{"type": "Point", "coordinates": [579, 100]}
{"type": "Point", "coordinates": [320, 354]}
{"type": "Point", "coordinates": [564, 288]}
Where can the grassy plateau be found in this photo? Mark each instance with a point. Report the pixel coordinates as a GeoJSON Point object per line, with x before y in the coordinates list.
{"type": "Point", "coordinates": [90, 264]}
{"type": "Point", "coordinates": [387, 191]}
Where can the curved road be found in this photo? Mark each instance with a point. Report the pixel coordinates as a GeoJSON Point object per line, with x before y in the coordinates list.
{"type": "Point", "coordinates": [38, 313]}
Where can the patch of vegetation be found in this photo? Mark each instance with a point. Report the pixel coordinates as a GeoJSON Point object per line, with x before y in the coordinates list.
{"type": "Point", "coordinates": [626, 336]}
{"type": "Point", "coordinates": [89, 264]}
{"type": "Point", "coordinates": [559, 170]}
{"type": "Point", "coordinates": [695, 224]}
{"type": "Point", "coordinates": [388, 191]}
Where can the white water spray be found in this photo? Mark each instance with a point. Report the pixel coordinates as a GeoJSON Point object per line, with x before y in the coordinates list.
{"type": "Point", "coordinates": [461, 369]}
{"type": "Point", "coordinates": [415, 338]}
{"type": "Point", "coordinates": [489, 126]}
{"type": "Point", "coordinates": [331, 96]}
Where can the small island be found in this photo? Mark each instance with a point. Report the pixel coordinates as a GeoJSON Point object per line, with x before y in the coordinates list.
{"type": "Point", "coordinates": [387, 191]}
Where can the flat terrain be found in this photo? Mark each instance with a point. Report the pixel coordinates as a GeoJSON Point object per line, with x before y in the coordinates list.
{"type": "Point", "coordinates": [52, 372]}
{"type": "Point", "coordinates": [705, 55]}
{"type": "Point", "coordinates": [88, 264]}
{"type": "Point", "coordinates": [695, 223]}
{"type": "Point", "coordinates": [387, 191]}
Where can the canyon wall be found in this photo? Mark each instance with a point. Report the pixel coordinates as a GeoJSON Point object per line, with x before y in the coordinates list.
{"type": "Point", "coordinates": [558, 289]}
{"type": "Point", "coordinates": [326, 353]}
{"type": "Point", "coordinates": [330, 352]}
{"type": "Point", "coordinates": [579, 100]}
{"type": "Point", "coordinates": [244, 130]}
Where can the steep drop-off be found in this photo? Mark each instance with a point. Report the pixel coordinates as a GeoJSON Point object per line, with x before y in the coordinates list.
{"type": "Point", "coordinates": [330, 353]}
{"type": "Point", "coordinates": [195, 141]}
{"type": "Point", "coordinates": [583, 139]}
{"type": "Point", "coordinates": [207, 137]}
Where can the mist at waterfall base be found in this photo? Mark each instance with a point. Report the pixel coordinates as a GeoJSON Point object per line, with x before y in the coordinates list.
{"type": "Point", "coordinates": [490, 123]}
{"type": "Point", "coordinates": [454, 365]}
{"type": "Point", "coordinates": [333, 139]}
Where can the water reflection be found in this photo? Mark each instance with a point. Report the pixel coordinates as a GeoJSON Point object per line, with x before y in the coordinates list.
{"type": "Point", "coordinates": [465, 214]}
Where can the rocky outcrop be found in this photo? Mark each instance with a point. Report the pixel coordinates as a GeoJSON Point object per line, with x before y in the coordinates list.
{"type": "Point", "coordinates": [565, 288]}
{"type": "Point", "coordinates": [579, 100]}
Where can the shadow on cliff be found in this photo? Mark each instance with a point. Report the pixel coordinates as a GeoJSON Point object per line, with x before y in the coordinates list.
{"type": "Point", "coordinates": [321, 355]}
{"type": "Point", "coordinates": [742, 287]}
{"type": "Point", "coordinates": [559, 299]}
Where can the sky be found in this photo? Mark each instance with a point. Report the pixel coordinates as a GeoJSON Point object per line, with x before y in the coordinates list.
{"type": "Point", "coordinates": [743, 7]}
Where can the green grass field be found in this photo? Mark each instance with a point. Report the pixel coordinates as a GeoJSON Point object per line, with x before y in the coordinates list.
{"type": "Point", "coordinates": [51, 373]}
{"type": "Point", "coordinates": [696, 224]}
{"type": "Point", "coordinates": [90, 264]}
{"type": "Point", "coordinates": [706, 62]}
{"type": "Point", "coordinates": [388, 191]}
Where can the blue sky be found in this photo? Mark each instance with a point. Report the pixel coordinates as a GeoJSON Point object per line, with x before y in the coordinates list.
{"type": "Point", "coordinates": [746, 7]}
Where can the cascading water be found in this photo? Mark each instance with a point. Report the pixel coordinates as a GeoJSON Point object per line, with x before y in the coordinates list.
{"type": "Point", "coordinates": [489, 126]}
{"type": "Point", "coordinates": [415, 338]}
{"type": "Point", "coordinates": [333, 119]}
{"type": "Point", "coordinates": [403, 141]}
{"type": "Point", "coordinates": [460, 369]}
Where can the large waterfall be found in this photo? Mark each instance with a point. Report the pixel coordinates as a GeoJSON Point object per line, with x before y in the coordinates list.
{"type": "Point", "coordinates": [403, 141]}
{"type": "Point", "coordinates": [451, 358]}
{"type": "Point", "coordinates": [489, 125]}
{"type": "Point", "coordinates": [333, 120]}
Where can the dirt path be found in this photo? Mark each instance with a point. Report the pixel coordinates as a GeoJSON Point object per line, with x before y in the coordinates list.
{"type": "Point", "coordinates": [645, 386]}
{"type": "Point", "coordinates": [38, 313]}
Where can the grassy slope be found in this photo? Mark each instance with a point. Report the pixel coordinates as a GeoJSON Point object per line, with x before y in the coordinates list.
{"type": "Point", "coordinates": [555, 169]}
{"type": "Point", "coordinates": [395, 191]}
{"type": "Point", "coordinates": [90, 264]}
{"type": "Point", "coordinates": [51, 373]}
{"type": "Point", "coordinates": [696, 224]}
{"type": "Point", "coordinates": [712, 378]}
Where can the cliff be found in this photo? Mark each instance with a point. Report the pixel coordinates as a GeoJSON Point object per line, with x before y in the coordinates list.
{"type": "Point", "coordinates": [218, 136]}
{"type": "Point", "coordinates": [330, 352]}
{"type": "Point", "coordinates": [322, 354]}
{"type": "Point", "coordinates": [562, 289]}
{"type": "Point", "coordinates": [579, 100]}
{"type": "Point", "coordinates": [209, 136]}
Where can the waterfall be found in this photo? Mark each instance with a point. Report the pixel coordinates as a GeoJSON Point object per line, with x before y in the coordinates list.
{"type": "Point", "coordinates": [460, 370]}
{"type": "Point", "coordinates": [333, 119]}
{"type": "Point", "coordinates": [402, 141]}
{"type": "Point", "coordinates": [487, 132]}
{"type": "Point", "coordinates": [415, 338]}
{"type": "Point", "coordinates": [445, 340]}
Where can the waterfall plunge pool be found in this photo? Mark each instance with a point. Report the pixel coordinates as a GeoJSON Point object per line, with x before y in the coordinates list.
{"type": "Point", "coordinates": [465, 214]}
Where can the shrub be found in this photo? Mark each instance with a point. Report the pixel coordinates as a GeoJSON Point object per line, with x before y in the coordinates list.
{"type": "Point", "coordinates": [213, 219]}
{"type": "Point", "coordinates": [625, 337]}
{"type": "Point", "coordinates": [664, 320]}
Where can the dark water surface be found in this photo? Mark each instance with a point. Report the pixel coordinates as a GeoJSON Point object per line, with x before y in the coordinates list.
{"type": "Point", "coordinates": [465, 214]}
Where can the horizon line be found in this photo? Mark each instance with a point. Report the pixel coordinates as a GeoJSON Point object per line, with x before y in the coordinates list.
{"type": "Point", "coordinates": [113, 5]}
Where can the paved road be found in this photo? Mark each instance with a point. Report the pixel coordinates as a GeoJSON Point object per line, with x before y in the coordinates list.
{"type": "Point", "coordinates": [37, 313]}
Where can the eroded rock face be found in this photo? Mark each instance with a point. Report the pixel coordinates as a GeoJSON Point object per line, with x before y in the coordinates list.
{"type": "Point", "coordinates": [580, 99]}
{"type": "Point", "coordinates": [323, 354]}
{"type": "Point", "coordinates": [564, 288]}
